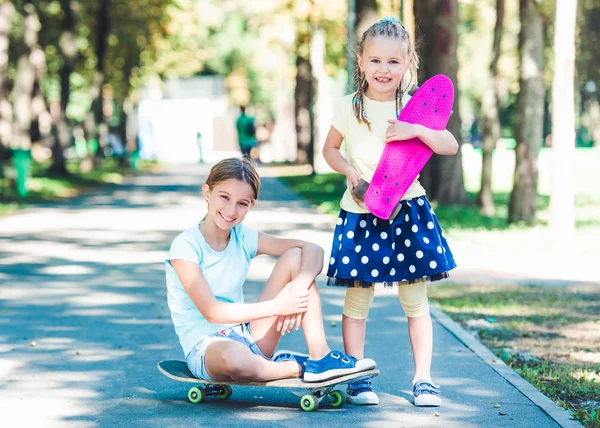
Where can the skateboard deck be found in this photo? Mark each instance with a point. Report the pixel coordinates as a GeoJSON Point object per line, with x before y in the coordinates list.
{"type": "Point", "coordinates": [317, 391]}
{"type": "Point", "coordinates": [402, 161]}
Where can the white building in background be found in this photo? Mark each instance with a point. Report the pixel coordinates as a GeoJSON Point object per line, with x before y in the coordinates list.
{"type": "Point", "coordinates": [186, 121]}
{"type": "Point", "coordinates": [189, 120]}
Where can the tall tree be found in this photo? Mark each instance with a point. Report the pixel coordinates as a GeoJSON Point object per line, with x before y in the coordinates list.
{"type": "Point", "coordinates": [7, 11]}
{"type": "Point", "coordinates": [437, 35]}
{"type": "Point", "coordinates": [25, 78]}
{"type": "Point", "coordinates": [562, 216]}
{"type": "Point", "coordinates": [95, 116]}
{"type": "Point", "coordinates": [490, 122]}
{"type": "Point", "coordinates": [587, 64]}
{"type": "Point", "coordinates": [304, 93]}
{"type": "Point", "coordinates": [407, 16]}
{"type": "Point", "coordinates": [361, 15]}
{"type": "Point", "coordinates": [68, 52]}
{"type": "Point", "coordinates": [23, 89]}
{"type": "Point", "coordinates": [529, 116]}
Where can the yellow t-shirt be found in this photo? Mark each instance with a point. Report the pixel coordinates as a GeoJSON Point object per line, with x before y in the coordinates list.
{"type": "Point", "coordinates": [364, 147]}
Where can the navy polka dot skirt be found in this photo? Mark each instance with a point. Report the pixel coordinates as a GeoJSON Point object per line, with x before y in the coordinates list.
{"type": "Point", "coordinates": [410, 248]}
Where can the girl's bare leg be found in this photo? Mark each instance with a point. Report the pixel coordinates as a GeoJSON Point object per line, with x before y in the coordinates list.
{"type": "Point", "coordinates": [265, 330]}
{"type": "Point", "coordinates": [353, 331]}
{"type": "Point", "coordinates": [420, 331]}
{"type": "Point", "coordinates": [231, 361]}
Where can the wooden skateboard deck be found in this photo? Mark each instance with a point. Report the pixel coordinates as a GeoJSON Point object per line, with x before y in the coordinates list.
{"type": "Point", "coordinates": [179, 371]}
{"type": "Point", "coordinates": [402, 161]}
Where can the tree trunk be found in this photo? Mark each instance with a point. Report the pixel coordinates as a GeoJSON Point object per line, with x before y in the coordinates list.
{"type": "Point", "coordinates": [96, 117]}
{"type": "Point", "coordinates": [361, 15]}
{"type": "Point", "coordinates": [587, 60]}
{"type": "Point", "coordinates": [38, 131]}
{"type": "Point", "coordinates": [25, 79]}
{"type": "Point", "coordinates": [304, 100]}
{"type": "Point", "coordinates": [490, 121]}
{"type": "Point", "coordinates": [7, 11]}
{"type": "Point", "coordinates": [530, 115]}
{"type": "Point", "coordinates": [437, 35]}
{"type": "Point", "coordinates": [351, 45]}
{"type": "Point", "coordinates": [366, 15]}
{"type": "Point", "coordinates": [562, 209]}
{"type": "Point", "coordinates": [587, 64]}
{"type": "Point", "coordinates": [60, 128]}
{"type": "Point", "coordinates": [407, 16]}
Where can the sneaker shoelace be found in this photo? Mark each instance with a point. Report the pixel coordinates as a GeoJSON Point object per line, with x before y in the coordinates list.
{"type": "Point", "coordinates": [424, 387]}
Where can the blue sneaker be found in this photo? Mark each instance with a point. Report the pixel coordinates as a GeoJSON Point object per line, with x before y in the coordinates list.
{"type": "Point", "coordinates": [426, 393]}
{"type": "Point", "coordinates": [291, 356]}
{"type": "Point", "coordinates": [335, 364]}
{"type": "Point", "coordinates": [361, 393]}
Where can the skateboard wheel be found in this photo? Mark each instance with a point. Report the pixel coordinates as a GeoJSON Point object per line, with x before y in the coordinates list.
{"type": "Point", "coordinates": [308, 403]}
{"type": "Point", "coordinates": [225, 392]}
{"type": "Point", "coordinates": [196, 395]}
{"type": "Point", "coordinates": [337, 398]}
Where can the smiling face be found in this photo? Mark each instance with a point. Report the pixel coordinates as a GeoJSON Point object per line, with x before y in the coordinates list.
{"type": "Point", "coordinates": [228, 202]}
{"type": "Point", "coordinates": [384, 61]}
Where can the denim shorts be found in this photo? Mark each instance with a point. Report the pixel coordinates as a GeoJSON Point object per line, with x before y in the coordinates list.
{"type": "Point", "coordinates": [240, 333]}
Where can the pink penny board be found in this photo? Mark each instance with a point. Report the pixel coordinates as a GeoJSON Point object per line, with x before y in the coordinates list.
{"type": "Point", "coordinates": [402, 161]}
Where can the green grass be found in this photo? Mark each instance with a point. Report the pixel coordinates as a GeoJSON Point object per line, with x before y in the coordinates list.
{"type": "Point", "coordinates": [43, 188]}
{"type": "Point", "coordinates": [556, 327]}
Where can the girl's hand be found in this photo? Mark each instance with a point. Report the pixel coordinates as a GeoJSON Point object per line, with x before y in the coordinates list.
{"type": "Point", "coordinates": [352, 178]}
{"type": "Point", "coordinates": [286, 324]}
{"type": "Point", "coordinates": [291, 301]}
{"type": "Point", "coordinates": [398, 131]}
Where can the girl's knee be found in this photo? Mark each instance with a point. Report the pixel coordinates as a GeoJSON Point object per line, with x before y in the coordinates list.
{"type": "Point", "coordinates": [413, 298]}
{"type": "Point", "coordinates": [358, 302]}
{"type": "Point", "coordinates": [292, 259]}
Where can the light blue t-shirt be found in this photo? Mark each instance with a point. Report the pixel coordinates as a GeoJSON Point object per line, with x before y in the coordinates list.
{"type": "Point", "coordinates": [225, 271]}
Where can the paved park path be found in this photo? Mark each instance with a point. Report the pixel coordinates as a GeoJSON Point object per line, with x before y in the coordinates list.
{"type": "Point", "coordinates": [83, 322]}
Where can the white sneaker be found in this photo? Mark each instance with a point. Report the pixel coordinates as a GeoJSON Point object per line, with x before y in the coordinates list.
{"type": "Point", "coordinates": [426, 393]}
{"type": "Point", "coordinates": [361, 393]}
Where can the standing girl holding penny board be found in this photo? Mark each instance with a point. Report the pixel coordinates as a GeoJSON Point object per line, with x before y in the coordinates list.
{"type": "Point", "coordinates": [406, 251]}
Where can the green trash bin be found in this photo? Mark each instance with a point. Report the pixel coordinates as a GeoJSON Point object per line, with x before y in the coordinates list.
{"type": "Point", "coordinates": [22, 163]}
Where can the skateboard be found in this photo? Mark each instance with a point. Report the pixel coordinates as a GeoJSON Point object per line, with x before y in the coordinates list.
{"type": "Point", "coordinates": [402, 161]}
{"type": "Point", "coordinates": [310, 401]}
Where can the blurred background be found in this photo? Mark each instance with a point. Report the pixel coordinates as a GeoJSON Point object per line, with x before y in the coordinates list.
{"type": "Point", "coordinates": [101, 86]}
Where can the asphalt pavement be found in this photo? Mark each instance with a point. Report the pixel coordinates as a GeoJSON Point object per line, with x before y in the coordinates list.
{"type": "Point", "coordinates": [84, 321]}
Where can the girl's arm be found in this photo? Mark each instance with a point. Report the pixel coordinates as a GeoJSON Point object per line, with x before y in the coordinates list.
{"type": "Point", "coordinates": [335, 159]}
{"type": "Point", "coordinates": [441, 142]}
{"type": "Point", "coordinates": [311, 263]}
{"type": "Point", "coordinates": [287, 302]}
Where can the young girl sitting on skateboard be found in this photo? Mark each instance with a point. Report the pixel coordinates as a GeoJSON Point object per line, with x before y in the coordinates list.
{"type": "Point", "coordinates": [407, 250]}
{"type": "Point", "coordinates": [224, 338]}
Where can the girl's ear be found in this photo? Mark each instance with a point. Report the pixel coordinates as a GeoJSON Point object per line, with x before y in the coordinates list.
{"type": "Point", "coordinates": [359, 61]}
{"type": "Point", "coordinates": [205, 191]}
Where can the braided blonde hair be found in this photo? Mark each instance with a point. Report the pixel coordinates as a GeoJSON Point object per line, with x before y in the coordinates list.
{"type": "Point", "coordinates": [390, 27]}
